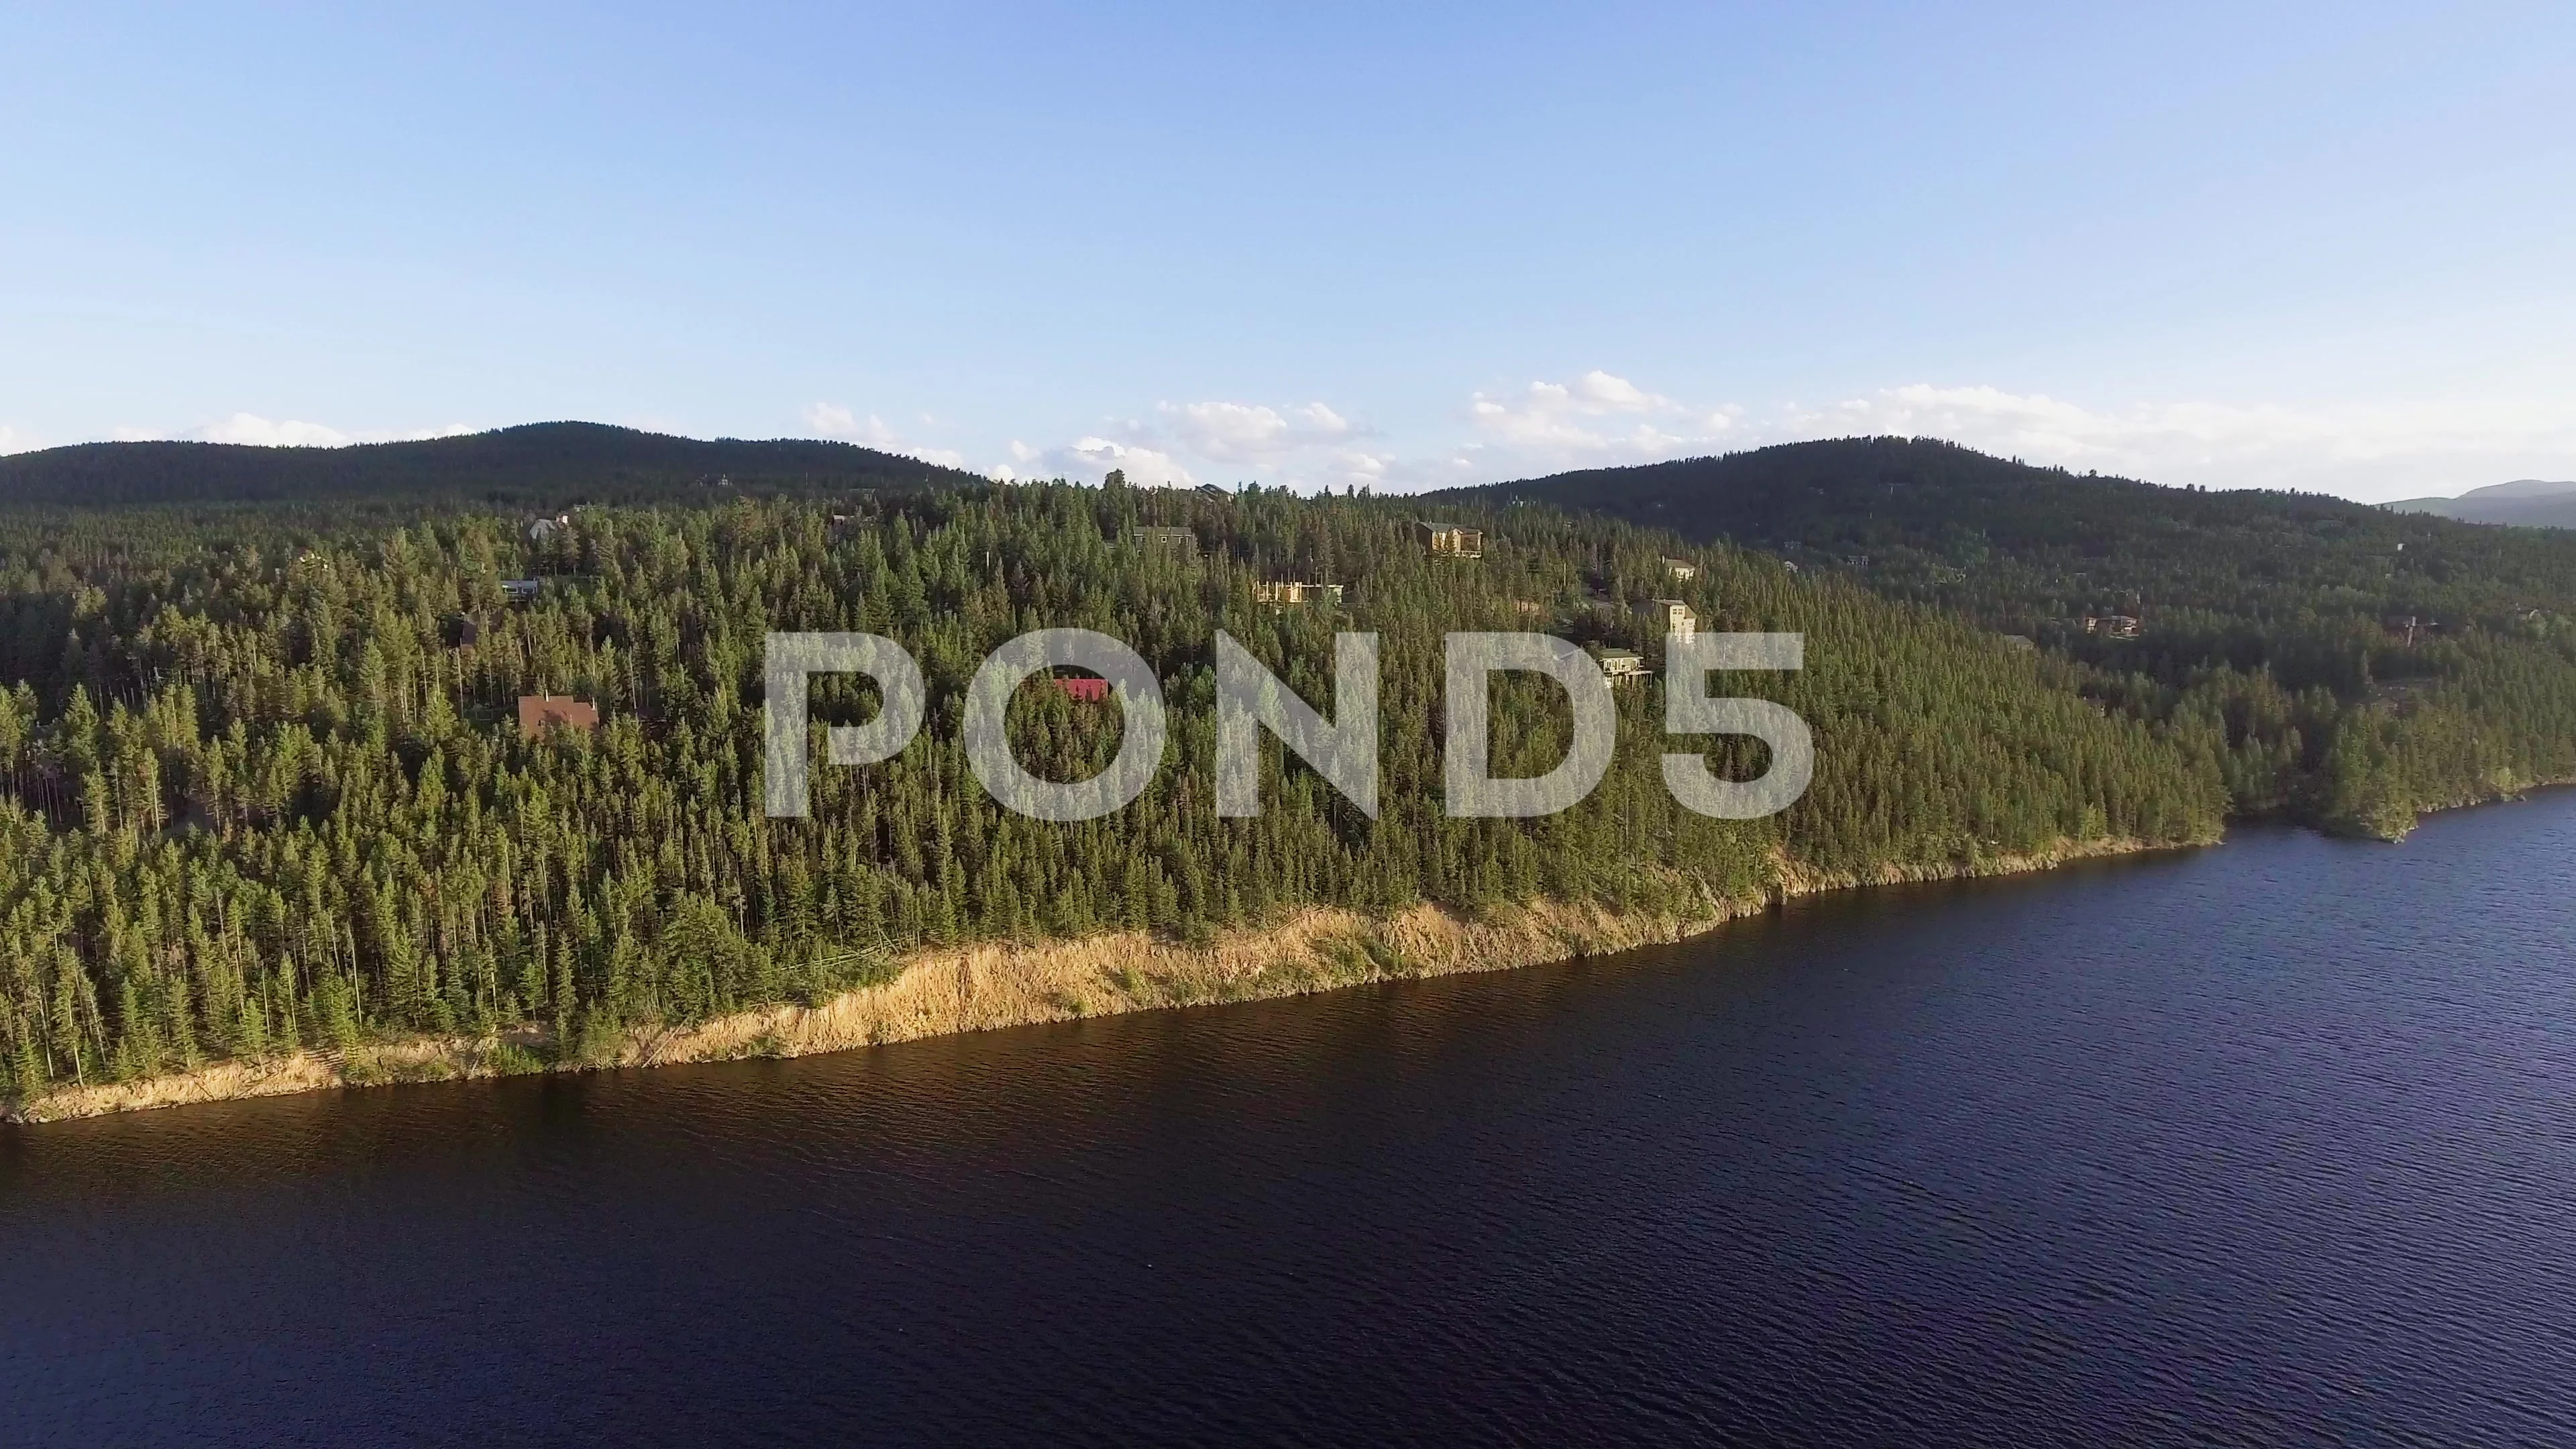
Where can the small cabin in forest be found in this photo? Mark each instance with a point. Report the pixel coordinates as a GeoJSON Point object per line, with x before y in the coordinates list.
{"type": "Point", "coordinates": [1681, 568]}
{"type": "Point", "coordinates": [522, 591]}
{"type": "Point", "coordinates": [539, 711]}
{"type": "Point", "coordinates": [1085, 688]}
{"type": "Point", "coordinates": [1622, 664]}
{"type": "Point", "coordinates": [1181, 543]}
{"type": "Point", "coordinates": [1449, 542]}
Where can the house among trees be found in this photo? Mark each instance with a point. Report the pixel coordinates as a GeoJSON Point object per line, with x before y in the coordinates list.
{"type": "Point", "coordinates": [537, 711]}
{"type": "Point", "coordinates": [1681, 568]}
{"type": "Point", "coordinates": [2112, 626]}
{"type": "Point", "coordinates": [1452, 542]}
{"type": "Point", "coordinates": [1671, 615]}
{"type": "Point", "coordinates": [1284, 591]}
{"type": "Point", "coordinates": [1622, 664]}
{"type": "Point", "coordinates": [1087, 688]}
{"type": "Point", "coordinates": [522, 591]}
{"type": "Point", "coordinates": [541, 529]}
{"type": "Point", "coordinates": [1183, 543]}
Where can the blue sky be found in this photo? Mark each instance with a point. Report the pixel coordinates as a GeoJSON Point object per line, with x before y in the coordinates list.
{"type": "Point", "coordinates": [2322, 246]}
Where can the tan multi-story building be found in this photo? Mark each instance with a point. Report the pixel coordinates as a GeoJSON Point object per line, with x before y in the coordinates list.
{"type": "Point", "coordinates": [1671, 616]}
{"type": "Point", "coordinates": [1450, 542]}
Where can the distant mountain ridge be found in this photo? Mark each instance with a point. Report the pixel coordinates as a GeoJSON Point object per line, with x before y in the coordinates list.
{"type": "Point", "coordinates": [1913, 511]}
{"type": "Point", "coordinates": [2526, 502]}
{"type": "Point", "coordinates": [2523, 488]}
{"type": "Point", "coordinates": [1884, 496]}
{"type": "Point", "coordinates": [532, 464]}
{"type": "Point", "coordinates": [2340, 662]}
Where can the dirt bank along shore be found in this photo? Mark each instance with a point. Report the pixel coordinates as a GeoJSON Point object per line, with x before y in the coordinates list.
{"type": "Point", "coordinates": [973, 988]}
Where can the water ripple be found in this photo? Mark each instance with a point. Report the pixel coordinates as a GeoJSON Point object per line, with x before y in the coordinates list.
{"type": "Point", "coordinates": [2270, 1144]}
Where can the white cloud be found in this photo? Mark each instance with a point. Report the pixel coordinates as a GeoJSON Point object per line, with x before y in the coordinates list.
{"type": "Point", "coordinates": [1359, 468]}
{"type": "Point", "coordinates": [1599, 419]}
{"type": "Point", "coordinates": [831, 420]}
{"type": "Point", "coordinates": [256, 431]}
{"type": "Point", "coordinates": [835, 421]}
{"type": "Point", "coordinates": [1088, 460]}
{"type": "Point", "coordinates": [1253, 434]}
{"type": "Point", "coordinates": [1603, 420]}
{"type": "Point", "coordinates": [16, 440]}
{"type": "Point", "coordinates": [1304, 445]}
{"type": "Point", "coordinates": [252, 430]}
{"type": "Point", "coordinates": [2363, 452]}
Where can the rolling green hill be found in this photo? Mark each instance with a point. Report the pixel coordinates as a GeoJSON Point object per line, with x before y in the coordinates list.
{"type": "Point", "coordinates": [2365, 664]}
{"type": "Point", "coordinates": [536, 465]}
{"type": "Point", "coordinates": [2021, 546]}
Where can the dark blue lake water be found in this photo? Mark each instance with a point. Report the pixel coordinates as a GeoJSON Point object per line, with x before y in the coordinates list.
{"type": "Point", "coordinates": [2272, 1143]}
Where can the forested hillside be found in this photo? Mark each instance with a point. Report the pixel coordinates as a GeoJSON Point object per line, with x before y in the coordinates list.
{"type": "Point", "coordinates": [2366, 665]}
{"type": "Point", "coordinates": [538, 465]}
{"type": "Point", "coordinates": [266, 789]}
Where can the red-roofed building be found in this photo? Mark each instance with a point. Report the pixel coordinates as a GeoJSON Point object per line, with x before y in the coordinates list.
{"type": "Point", "coordinates": [536, 711]}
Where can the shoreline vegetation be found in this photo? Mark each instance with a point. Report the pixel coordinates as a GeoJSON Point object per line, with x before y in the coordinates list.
{"type": "Point", "coordinates": [344, 797]}
{"type": "Point", "coordinates": [285, 803]}
{"type": "Point", "coordinates": [991, 985]}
